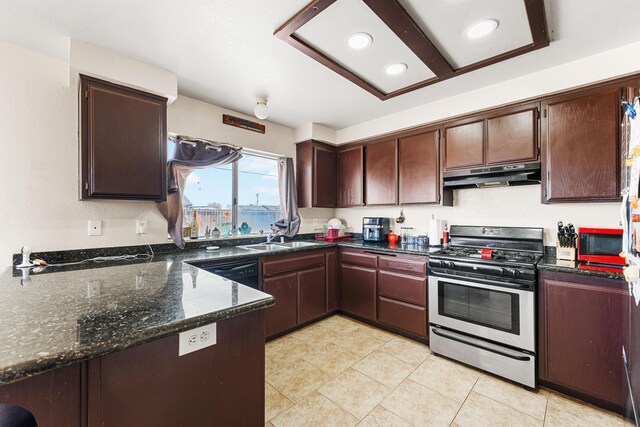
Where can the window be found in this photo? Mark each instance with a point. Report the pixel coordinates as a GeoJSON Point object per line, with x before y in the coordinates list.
{"type": "Point", "coordinates": [226, 197]}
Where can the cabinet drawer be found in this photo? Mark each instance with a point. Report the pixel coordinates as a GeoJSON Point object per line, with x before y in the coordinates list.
{"type": "Point", "coordinates": [402, 287]}
{"type": "Point", "coordinates": [289, 263]}
{"type": "Point", "coordinates": [412, 266]}
{"type": "Point", "coordinates": [401, 315]}
{"type": "Point", "coordinates": [357, 258]}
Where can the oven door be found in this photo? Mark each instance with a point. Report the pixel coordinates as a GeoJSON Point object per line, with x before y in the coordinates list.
{"type": "Point", "coordinates": [493, 312]}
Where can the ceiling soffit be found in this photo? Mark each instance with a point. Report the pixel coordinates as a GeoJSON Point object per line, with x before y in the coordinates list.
{"type": "Point", "coordinates": [427, 35]}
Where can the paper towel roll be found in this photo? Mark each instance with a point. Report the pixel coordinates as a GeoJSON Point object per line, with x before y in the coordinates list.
{"type": "Point", "coordinates": [435, 232]}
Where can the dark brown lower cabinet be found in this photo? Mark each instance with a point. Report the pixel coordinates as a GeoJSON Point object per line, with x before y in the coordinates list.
{"type": "Point", "coordinates": [53, 398]}
{"type": "Point", "coordinates": [358, 291]}
{"type": "Point", "coordinates": [402, 293]}
{"type": "Point", "coordinates": [302, 285]}
{"type": "Point", "coordinates": [151, 385]}
{"type": "Point", "coordinates": [312, 294]}
{"type": "Point", "coordinates": [581, 332]}
{"type": "Point", "coordinates": [283, 315]}
{"type": "Point", "coordinates": [333, 280]}
{"type": "Point", "coordinates": [388, 289]}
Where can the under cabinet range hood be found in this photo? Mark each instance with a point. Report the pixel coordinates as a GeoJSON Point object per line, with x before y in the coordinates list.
{"type": "Point", "coordinates": [493, 176]}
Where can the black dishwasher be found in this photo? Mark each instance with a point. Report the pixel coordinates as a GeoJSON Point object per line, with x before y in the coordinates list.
{"type": "Point", "coordinates": [244, 271]}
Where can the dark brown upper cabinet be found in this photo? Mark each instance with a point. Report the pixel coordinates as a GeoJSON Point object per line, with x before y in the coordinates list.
{"type": "Point", "coordinates": [464, 145]}
{"type": "Point", "coordinates": [505, 136]}
{"type": "Point", "coordinates": [581, 146]}
{"type": "Point", "coordinates": [418, 164]}
{"type": "Point", "coordinates": [316, 166]}
{"type": "Point", "coordinates": [123, 142]}
{"type": "Point", "coordinates": [512, 137]}
{"type": "Point", "coordinates": [381, 176]}
{"type": "Point", "coordinates": [350, 177]}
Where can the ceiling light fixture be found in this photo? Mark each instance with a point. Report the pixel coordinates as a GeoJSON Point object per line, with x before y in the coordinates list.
{"type": "Point", "coordinates": [396, 68]}
{"type": "Point", "coordinates": [481, 28]}
{"type": "Point", "coordinates": [359, 40]}
{"type": "Point", "coordinates": [261, 110]}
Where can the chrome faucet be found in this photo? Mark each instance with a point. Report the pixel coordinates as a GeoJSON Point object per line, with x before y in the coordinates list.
{"type": "Point", "coordinates": [273, 235]}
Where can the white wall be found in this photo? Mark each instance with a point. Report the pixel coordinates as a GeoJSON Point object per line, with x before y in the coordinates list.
{"type": "Point", "coordinates": [506, 206]}
{"type": "Point", "coordinates": [39, 160]}
{"type": "Point", "coordinates": [315, 131]}
{"type": "Point", "coordinates": [517, 206]}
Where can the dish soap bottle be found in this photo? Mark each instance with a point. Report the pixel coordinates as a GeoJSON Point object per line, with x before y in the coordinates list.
{"type": "Point", "coordinates": [194, 226]}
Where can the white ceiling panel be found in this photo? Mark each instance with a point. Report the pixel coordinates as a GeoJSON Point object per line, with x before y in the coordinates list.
{"type": "Point", "coordinates": [224, 51]}
{"type": "Point", "coordinates": [328, 32]}
{"type": "Point", "coordinates": [445, 21]}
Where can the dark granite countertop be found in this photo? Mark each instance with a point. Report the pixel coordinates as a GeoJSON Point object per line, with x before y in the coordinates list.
{"type": "Point", "coordinates": [573, 267]}
{"type": "Point", "coordinates": [69, 314]}
{"type": "Point", "coordinates": [59, 318]}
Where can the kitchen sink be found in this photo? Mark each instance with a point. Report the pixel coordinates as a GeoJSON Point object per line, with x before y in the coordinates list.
{"type": "Point", "coordinates": [297, 244]}
{"type": "Point", "coordinates": [263, 247]}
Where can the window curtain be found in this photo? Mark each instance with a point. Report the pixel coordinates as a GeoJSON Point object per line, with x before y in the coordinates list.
{"type": "Point", "coordinates": [190, 154]}
{"type": "Point", "coordinates": [289, 224]}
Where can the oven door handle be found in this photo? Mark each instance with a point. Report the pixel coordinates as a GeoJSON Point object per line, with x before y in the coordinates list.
{"type": "Point", "coordinates": [474, 343]}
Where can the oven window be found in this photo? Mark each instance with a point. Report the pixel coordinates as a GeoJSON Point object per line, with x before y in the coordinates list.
{"type": "Point", "coordinates": [485, 307]}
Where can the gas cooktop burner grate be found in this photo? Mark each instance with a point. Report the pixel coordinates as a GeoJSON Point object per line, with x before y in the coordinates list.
{"type": "Point", "coordinates": [497, 254]}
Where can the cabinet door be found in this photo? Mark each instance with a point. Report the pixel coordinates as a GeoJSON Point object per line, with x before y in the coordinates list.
{"type": "Point", "coordinates": [350, 177]}
{"type": "Point", "coordinates": [324, 178]}
{"type": "Point", "coordinates": [381, 177]}
{"type": "Point", "coordinates": [581, 335]}
{"type": "Point", "coordinates": [333, 286]}
{"type": "Point", "coordinates": [464, 145]}
{"type": "Point", "coordinates": [53, 398]}
{"type": "Point", "coordinates": [580, 146]}
{"type": "Point", "coordinates": [123, 142]}
{"type": "Point", "coordinates": [512, 137]}
{"type": "Point", "coordinates": [359, 291]}
{"type": "Point", "coordinates": [419, 180]}
{"type": "Point", "coordinates": [312, 294]}
{"type": "Point", "coordinates": [284, 314]}
{"type": "Point", "coordinates": [304, 173]}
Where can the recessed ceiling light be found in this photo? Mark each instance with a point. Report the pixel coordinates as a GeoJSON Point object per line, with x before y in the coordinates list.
{"type": "Point", "coordinates": [481, 28]}
{"type": "Point", "coordinates": [359, 40]}
{"type": "Point", "coordinates": [396, 68]}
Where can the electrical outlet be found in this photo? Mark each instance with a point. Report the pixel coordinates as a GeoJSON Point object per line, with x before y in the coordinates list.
{"type": "Point", "coordinates": [141, 226]}
{"type": "Point", "coordinates": [315, 222]}
{"type": "Point", "coordinates": [140, 281]}
{"type": "Point", "coordinates": [197, 339]}
{"type": "Point", "coordinates": [95, 228]}
{"type": "Point", "coordinates": [94, 288]}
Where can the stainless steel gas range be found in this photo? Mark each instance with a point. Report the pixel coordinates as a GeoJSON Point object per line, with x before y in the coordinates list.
{"type": "Point", "coordinates": [482, 299]}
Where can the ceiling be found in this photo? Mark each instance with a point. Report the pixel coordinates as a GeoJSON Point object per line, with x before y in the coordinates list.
{"type": "Point", "coordinates": [224, 51]}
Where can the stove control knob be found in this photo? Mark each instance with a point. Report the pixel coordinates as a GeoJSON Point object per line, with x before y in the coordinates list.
{"type": "Point", "coordinates": [452, 265]}
{"type": "Point", "coordinates": [510, 272]}
{"type": "Point", "coordinates": [503, 271]}
{"type": "Point", "coordinates": [516, 273]}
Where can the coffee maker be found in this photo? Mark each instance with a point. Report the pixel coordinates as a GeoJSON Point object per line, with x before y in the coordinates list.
{"type": "Point", "coordinates": [375, 229]}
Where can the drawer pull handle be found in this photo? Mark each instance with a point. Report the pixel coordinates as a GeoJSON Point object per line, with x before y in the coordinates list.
{"type": "Point", "coordinates": [380, 253]}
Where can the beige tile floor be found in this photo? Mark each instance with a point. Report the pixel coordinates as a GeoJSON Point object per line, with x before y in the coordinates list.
{"type": "Point", "coordinates": [339, 372]}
